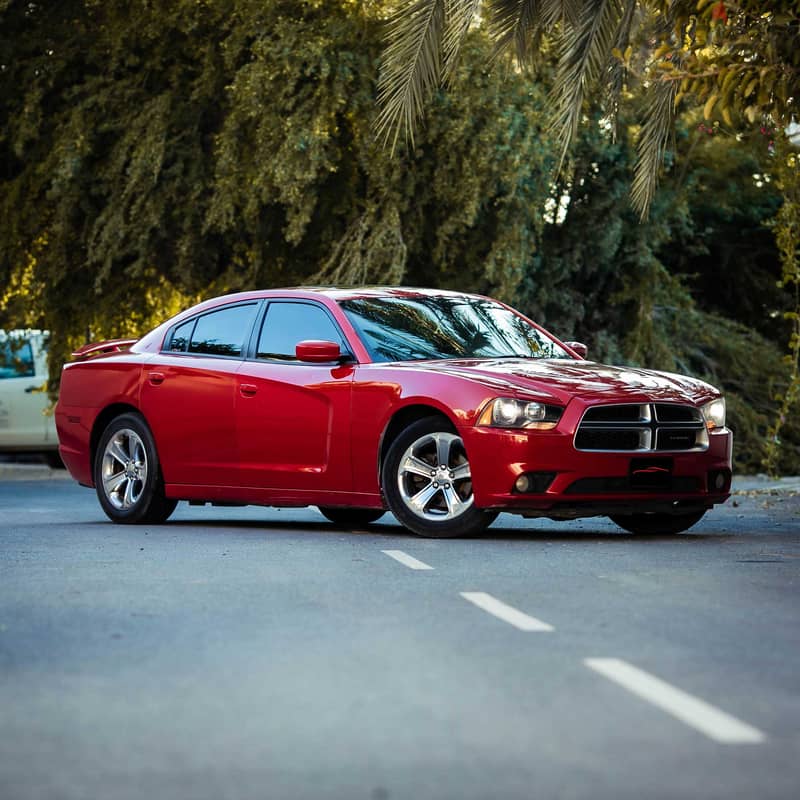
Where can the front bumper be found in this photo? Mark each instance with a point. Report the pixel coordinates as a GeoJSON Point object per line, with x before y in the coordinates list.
{"type": "Point", "coordinates": [590, 483]}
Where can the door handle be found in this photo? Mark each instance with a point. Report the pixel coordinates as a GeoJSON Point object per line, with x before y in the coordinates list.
{"type": "Point", "coordinates": [156, 378]}
{"type": "Point", "coordinates": [247, 389]}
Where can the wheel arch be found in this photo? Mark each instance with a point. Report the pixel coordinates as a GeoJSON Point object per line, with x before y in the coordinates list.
{"type": "Point", "coordinates": [101, 422]}
{"type": "Point", "coordinates": [402, 418]}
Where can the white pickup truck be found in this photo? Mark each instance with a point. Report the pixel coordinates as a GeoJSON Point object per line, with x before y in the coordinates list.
{"type": "Point", "coordinates": [26, 423]}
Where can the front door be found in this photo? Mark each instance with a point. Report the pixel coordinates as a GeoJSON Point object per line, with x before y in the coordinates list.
{"type": "Point", "coordinates": [293, 418]}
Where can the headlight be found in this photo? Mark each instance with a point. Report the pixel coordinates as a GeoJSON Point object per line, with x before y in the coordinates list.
{"type": "Point", "coordinates": [714, 412]}
{"type": "Point", "coordinates": [508, 412]}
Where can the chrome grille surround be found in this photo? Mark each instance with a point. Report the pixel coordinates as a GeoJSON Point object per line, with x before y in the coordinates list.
{"type": "Point", "coordinates": [642, 428]}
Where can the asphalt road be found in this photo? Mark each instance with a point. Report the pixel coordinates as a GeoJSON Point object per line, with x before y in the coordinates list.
{"type": "Point", "coordinates": [265, 654]}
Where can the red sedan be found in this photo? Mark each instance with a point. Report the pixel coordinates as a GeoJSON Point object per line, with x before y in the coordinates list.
{"type": "Point", "coordinates": [443, 407]}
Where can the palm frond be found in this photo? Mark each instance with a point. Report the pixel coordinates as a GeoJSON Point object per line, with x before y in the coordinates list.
{"type": "Point", "coordinates": [515, 24]}
{"type": "Point", "coordinates": [652, 143]}
{"type": "Point", "coordinates": [459, 15]}
{"type": "Point", "coordinates": [617, 71]}
{"type": "Point", "coordinates": [585, 49]}
{"type": "Point", "coordinates": [411, 66]}
{"type": "Point", "coordinates": [555, 11]}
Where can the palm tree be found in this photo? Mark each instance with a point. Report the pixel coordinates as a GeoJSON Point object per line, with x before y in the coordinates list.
{"type": "Point", "coordinates": [747, 66]}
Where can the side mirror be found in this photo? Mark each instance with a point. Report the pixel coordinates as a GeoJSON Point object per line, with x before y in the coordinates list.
{"type": "Point", "coordinates": [317, 352]}
{"type": "Point", "coordinates": [580, 348]}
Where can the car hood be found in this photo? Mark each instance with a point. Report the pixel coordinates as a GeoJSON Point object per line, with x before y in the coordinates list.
{"type": "Point", "coordinates": [562, 379]}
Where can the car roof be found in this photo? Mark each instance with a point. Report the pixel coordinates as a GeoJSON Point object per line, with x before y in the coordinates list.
{"type": "Point", "coordinates": [333, 293]}
{"type": "Point", "coordinates": [350, 292]}
{"type": "Point", "coordinates": [152, 340]}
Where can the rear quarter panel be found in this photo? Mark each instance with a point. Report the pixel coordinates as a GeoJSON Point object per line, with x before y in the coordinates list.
{"type": "Point", "coordinates": [87, 388]}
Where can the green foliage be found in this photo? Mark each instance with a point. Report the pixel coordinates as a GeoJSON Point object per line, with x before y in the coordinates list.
{"type": "Point", "coordinates": [728, 253]}
{"type": "Point", "coordinates": [740, 60]}
{"type": "Point", "coordinates": [787, 230]}
{"type": "Point", "coordinates": [222, 149]}
{"type": "Point", "coordinates": [153, 156]}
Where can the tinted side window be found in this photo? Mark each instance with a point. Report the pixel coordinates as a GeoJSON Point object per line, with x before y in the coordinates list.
{"type": "Point", "coordinates": [223, 332]}
{"type": "Point", "coordinates": [16, 359]}
{"type": "Point", "coordinates": [286, 324]}
{"type": "Point", "coordinates": [181, 337]}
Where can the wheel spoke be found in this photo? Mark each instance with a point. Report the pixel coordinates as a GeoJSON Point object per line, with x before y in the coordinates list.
{"type": "Point", "coordinates": [128, 499]}
{"type": "Point", "coordinates": [423, 497]}
{"type": "Point", "coordinates": [116, 451]}
{"type": "Point", "coordinates": [137, 452]}
{"type": "Point", "coordinates": [130, 442]}
{"type": "Point", "coordinates": [454, 502]}
{"type": "Point", "coordinates": [443, 442]}
{"type": "Point", "coordinates": [416, 466]}
{"type": "Point", "coordinates": [461, 471]}
{"type": "Point", "coordinates": [113, 482]}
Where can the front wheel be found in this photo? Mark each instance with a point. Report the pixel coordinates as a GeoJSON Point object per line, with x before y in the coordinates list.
{"type": "Point", "coordinates": [657, 524]}
{"type": "Point", "coordinates": [427, 482]}
{"type": "Point", "coordinates": [352, 517]}
{"type": "Point", "coordinates": [127, 476]}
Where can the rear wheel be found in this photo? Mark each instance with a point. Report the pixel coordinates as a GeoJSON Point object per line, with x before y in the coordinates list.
{"type": "Point", "coordinates": [427, 482]}
{"type": "Point", "coordinates": [351, 516]}
{"type": "Point", "coordinates": [657, 524]}
{"type": "Point", "coordinates": [127, 475]}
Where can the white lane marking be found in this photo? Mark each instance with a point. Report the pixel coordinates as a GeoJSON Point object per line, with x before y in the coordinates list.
{"type": "Point", "coordinates": [406, 559]}
{"type": "Point", "coordinates": [505, 612]}
{"type": "Point", "coordinates": [692, 710]}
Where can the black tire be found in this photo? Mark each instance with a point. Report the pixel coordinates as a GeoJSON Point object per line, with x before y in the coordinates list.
{"type": "Point", "coordinates": [448, 509]}
{"type": "Point", "coordinates": [657, 524]}
{"type": "Point", "coordinates": [351, 516]}
{"type": "Point", "coordinates": [134, 493]}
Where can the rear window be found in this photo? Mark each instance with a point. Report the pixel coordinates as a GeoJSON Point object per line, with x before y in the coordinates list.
{"type": "Point", "coordinates": [218, 333]}
{"type": "Point", "coordinates": [181, 337]}
{"type": "Point", "coordinates": [223, 332]}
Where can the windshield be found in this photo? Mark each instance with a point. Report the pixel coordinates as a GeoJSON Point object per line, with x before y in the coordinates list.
{"type": "Point", "coordinates": [414, 328]}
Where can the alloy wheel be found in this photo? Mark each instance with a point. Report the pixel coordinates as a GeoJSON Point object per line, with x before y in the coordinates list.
{"type": "Point", "coordinates": [434, 477]}
{"type": "Point", "coordinates": [124, 469]}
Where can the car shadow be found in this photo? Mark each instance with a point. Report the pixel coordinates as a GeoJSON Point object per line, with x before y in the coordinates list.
{"type": "Point", "coordinates": [392, 531]}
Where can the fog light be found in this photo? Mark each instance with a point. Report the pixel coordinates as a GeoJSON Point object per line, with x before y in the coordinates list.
{"type": "Point", "coordinates": [719, 480]}
{"type": "Point", "coordinates": [534, 482]}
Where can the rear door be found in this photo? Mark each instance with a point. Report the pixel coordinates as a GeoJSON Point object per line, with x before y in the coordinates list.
{"type": "Point", "coordinates": [293, 418]}
{"type": "Point", "coordinates": [188, 396]}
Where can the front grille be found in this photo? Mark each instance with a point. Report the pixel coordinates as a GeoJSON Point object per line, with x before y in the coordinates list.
{"type": "Point", "coordinates": [642, 427]}
{"type": "Point", "coordinates": [612, 439]}
{"type": "Point", "coordinates": [676, 439]}
{"type": "Point", "coordinates": [668, 412]}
